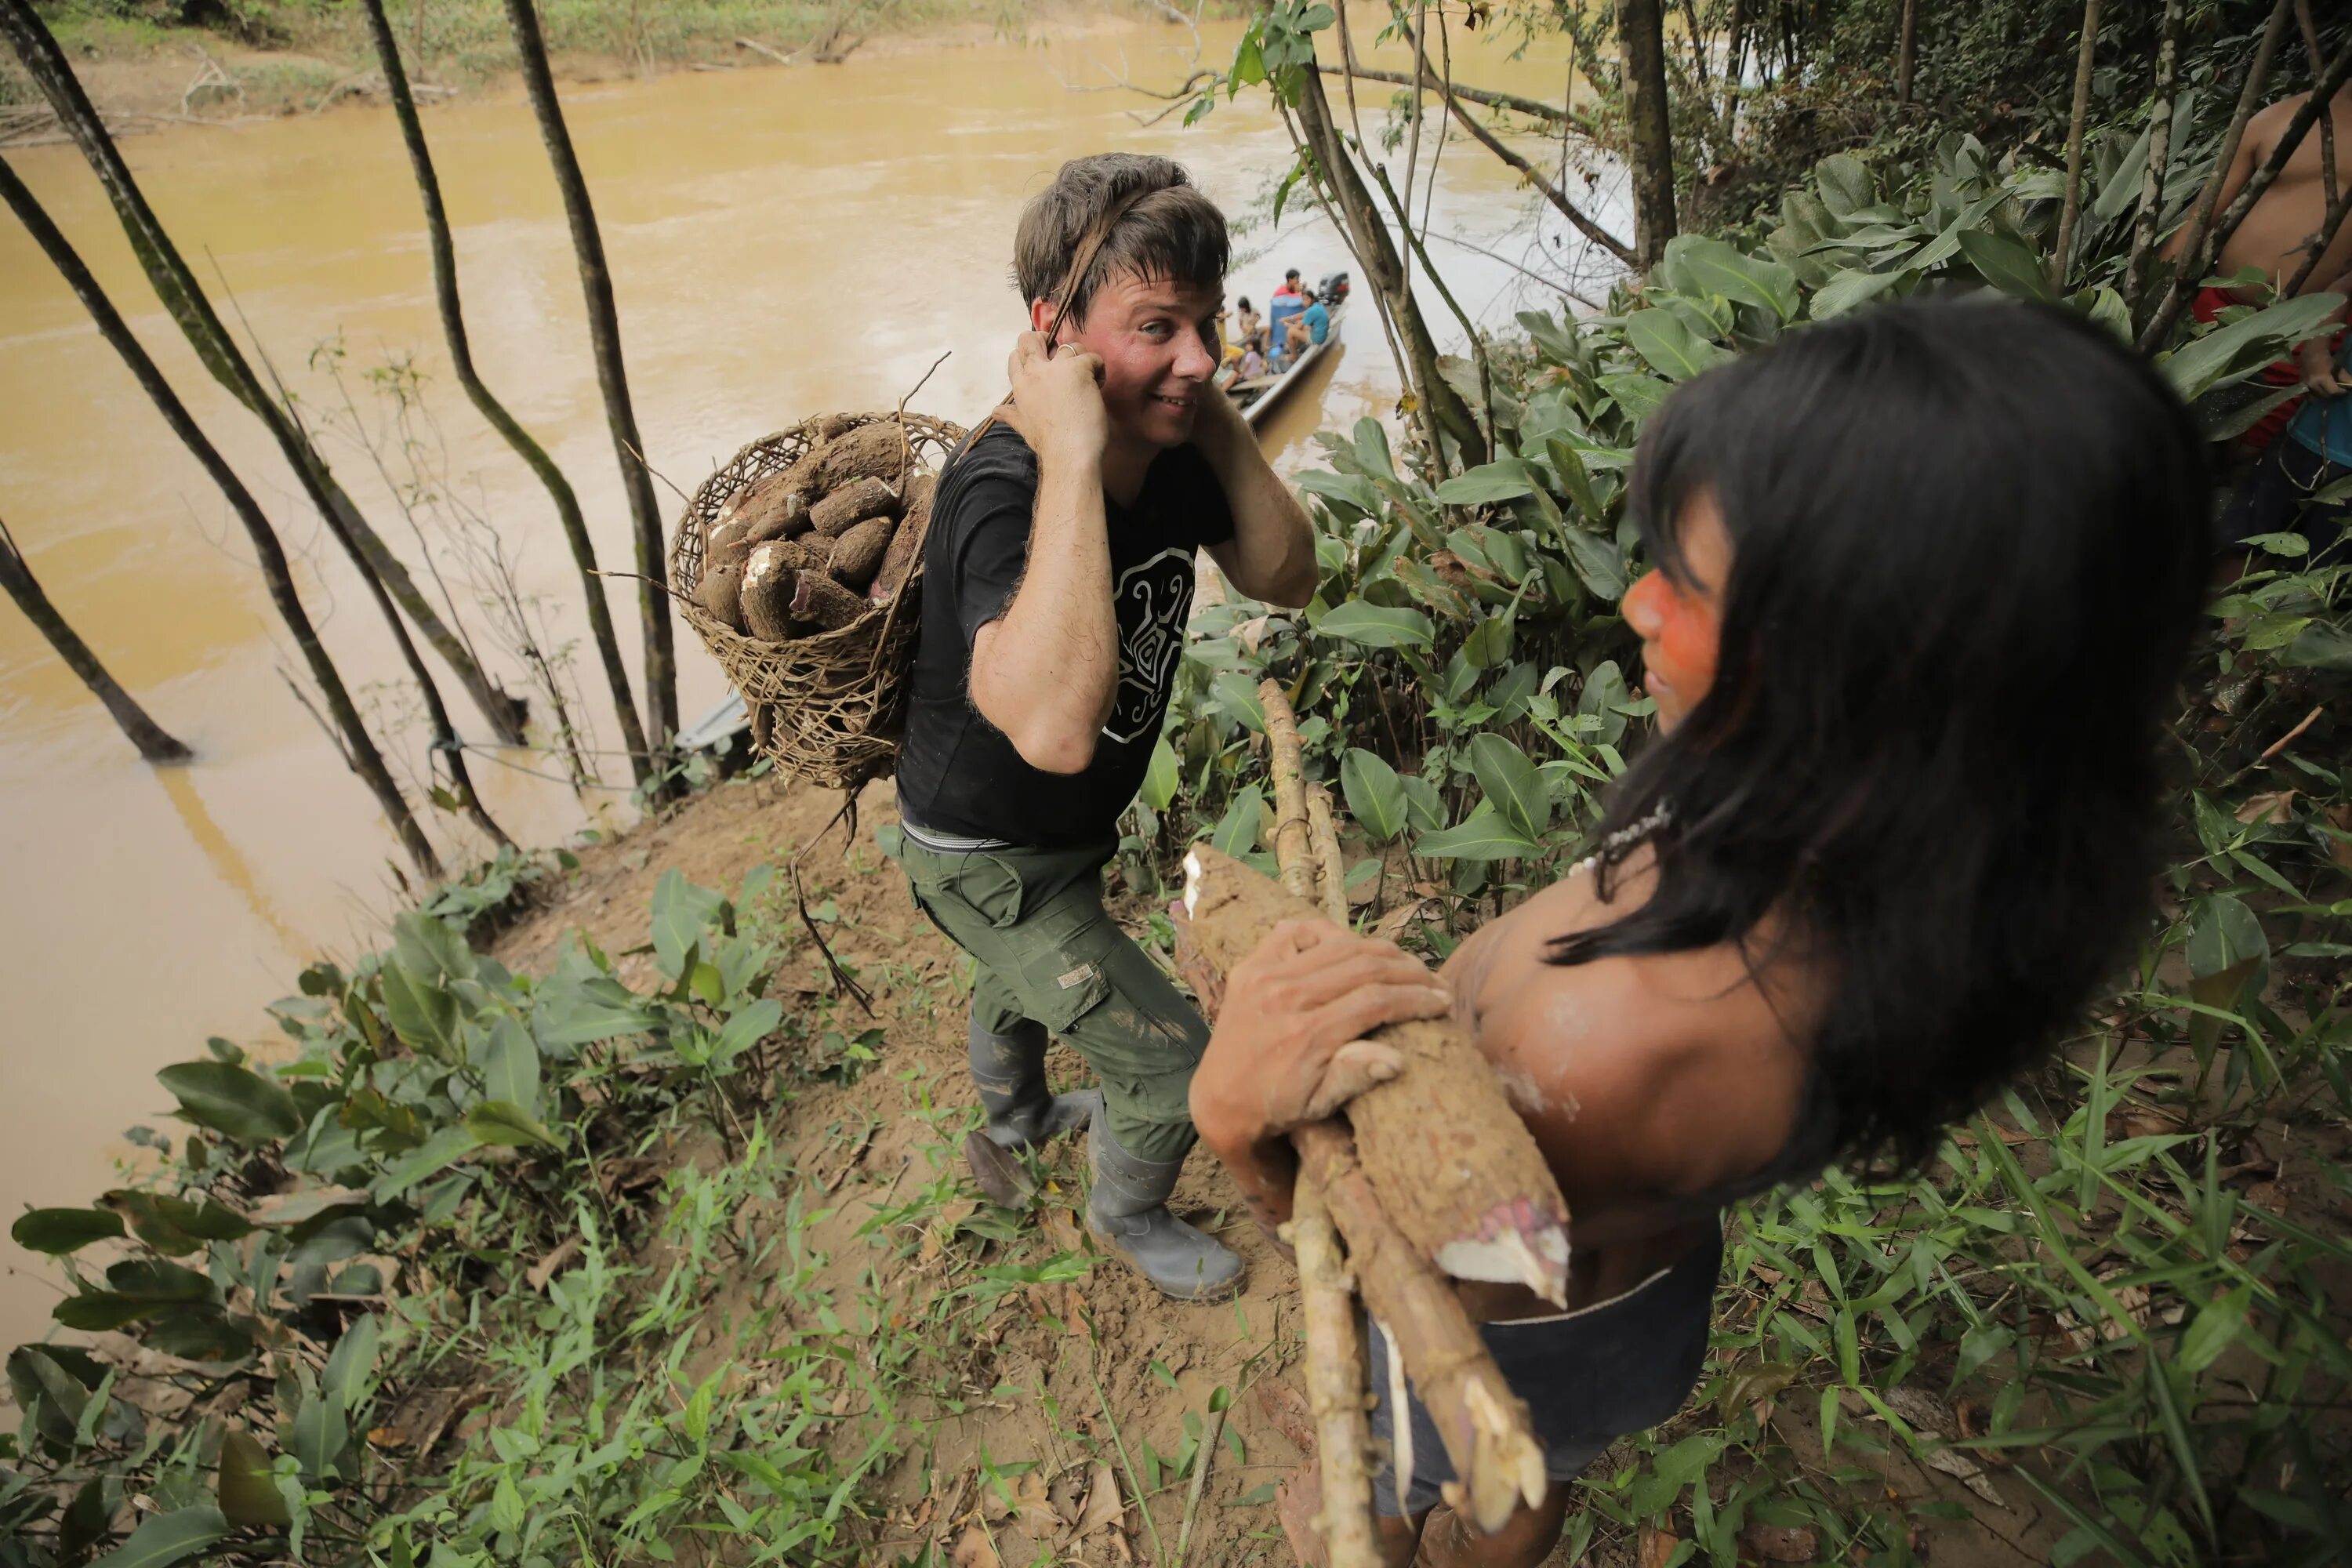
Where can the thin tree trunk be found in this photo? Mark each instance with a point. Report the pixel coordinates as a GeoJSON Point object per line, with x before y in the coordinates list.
{"type": "Point", "coordinates": [1734, 65]}
{"type": "Point", "coordinates": [1641, 34]}
{"type": "Point", "coordinates": [2209, 195]}
{"type": "Point", "coordinates": [2203, 248]}
{"type": "Point", "coordinates": [1368, 238]}
{"type": "Point", "coordinates": [2159, 154]}
{"type": "Point", "coordinates": [461, 358]}
{"type": "Point", "coordinates": [2326, 122]}
{"type": "Point", "coordinates": [359, 748]}
{"type": "Point", "coordinates": [611, 377]}
{"type": "Point", "coordinates": [1906, 51]}
{"type": "Point", "coordinates": [184, 298]}
{"type": "Point", "coordinates": [2062, 255]}
{"type": "Point", "coordinates": [155, 744]}
{"type": "Point", "coordinates": [1698, 51]}
{"type": "Point", "coordinates": [2330, 226]}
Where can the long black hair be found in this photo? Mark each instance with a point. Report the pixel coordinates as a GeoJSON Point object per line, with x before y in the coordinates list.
{"type": "Point", "coordinates": [1968, 541]}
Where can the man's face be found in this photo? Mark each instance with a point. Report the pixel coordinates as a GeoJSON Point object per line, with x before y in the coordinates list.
{"type": "Point", "coordinates": [1158, 341]}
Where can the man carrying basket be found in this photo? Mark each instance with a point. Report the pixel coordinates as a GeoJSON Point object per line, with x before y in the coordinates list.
{"type": "Point", "coordinates": [1058, 577]}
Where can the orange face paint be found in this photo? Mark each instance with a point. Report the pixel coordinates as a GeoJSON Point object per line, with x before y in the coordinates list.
{"type": "Point", "coordinates": [1680, 634]}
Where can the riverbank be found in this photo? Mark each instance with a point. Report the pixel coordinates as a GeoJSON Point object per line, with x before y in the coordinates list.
{"type": "Point", "coordinates": [147, 70]}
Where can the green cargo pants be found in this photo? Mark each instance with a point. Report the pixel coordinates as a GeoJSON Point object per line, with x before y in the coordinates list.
{"type": "Point", "coordinates": [1033, 921]}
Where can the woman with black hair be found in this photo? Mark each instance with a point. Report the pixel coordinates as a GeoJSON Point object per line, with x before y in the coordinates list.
{"type": "Point", "coordinates": [1926, 577]}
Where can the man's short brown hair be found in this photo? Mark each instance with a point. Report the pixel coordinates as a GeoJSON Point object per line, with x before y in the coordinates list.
{"type": "Point", "coordinates": [1165, 228]}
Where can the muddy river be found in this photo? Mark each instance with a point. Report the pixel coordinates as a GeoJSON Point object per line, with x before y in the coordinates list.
{"type": "Point", "coordinates": [783, 242]}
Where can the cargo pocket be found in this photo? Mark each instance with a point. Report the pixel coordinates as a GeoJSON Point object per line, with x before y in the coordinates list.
{"type": "Point", "coordinates": [1063, 975]}
{"type": "Point", "coordinates": [988, 886]}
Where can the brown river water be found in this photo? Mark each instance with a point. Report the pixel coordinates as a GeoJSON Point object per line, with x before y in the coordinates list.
{"type": "Point", "coordinates": [782, 243]}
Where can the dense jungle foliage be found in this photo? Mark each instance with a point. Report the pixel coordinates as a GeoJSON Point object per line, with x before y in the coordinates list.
{"type": "Point", "coordinates": [2105, 1285]}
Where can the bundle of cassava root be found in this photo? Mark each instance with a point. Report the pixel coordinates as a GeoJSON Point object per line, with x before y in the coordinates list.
{"type": "Point", "coordinates": [1428, 1176]}
{"type": "Point", "coordinates": [814, 546]}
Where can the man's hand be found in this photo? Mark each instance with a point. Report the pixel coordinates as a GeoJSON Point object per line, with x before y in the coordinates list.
{"type": "Point", "coordinates": [1059, 395]}
{"type": "Point", "coordinates": [1289, 1045]}
{"type": "Point", "coordinates": [1218, 429]}
{"type": "Point", "coordinates": [2315, 357]}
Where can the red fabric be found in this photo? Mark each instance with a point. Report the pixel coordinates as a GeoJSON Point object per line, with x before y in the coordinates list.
{"type": "Point", "coordinates": [2210, 303]}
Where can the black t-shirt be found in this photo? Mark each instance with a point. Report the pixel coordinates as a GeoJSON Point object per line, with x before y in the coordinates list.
{"type": "Point", "coordinates": [958, 773]}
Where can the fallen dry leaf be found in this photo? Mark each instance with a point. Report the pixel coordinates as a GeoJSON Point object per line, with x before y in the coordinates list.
{"type": "Point", "coordinates": [1067, 1494]}
{"type": "Point", "coordinates": [1062, 1228]}
{"type": "Point", "coordinates": [1657, 1546]}
{"type": "Point", "coordinates": [1286, 1409]}
{"type": "Point", "coordinates": [1031, 1501]}
{"type": "Point", "coordinates": [547, 1267]}
{"type": "Point", "coordinates": [1965, 1471]}
{"type": "Point", "coordinates": [1392, 924]}
{"type": "Point", "coordinates": [2269, 806]}
{"type": "Point", "coordinates": [1103, 1505]}
{"type": "Point", "coordinates": [1923, 1412]}
{"type": "Point", "coordinates": [975, 1550]}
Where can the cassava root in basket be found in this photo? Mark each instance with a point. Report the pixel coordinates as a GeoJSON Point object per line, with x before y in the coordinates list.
{"type": "Point", "coordinates": [852, 504]}
{"type": "Point", "coordinates": [769, 580]}
{"type": "Point", "coordinates": [871, 451]}
{"type": "Point", "coordinates": [858, 554]}
{"type": "Point", "coordinates": [722, 590]}
{"type": "Point", "coordinates": [820, 602]}
{"type": "Point", "coordinates": [906, 545]}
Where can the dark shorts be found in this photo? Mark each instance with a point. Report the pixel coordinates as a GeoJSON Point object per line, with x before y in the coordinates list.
{"type": "Point", "coordinates": [2275, 498]}
{"type": "Point", "coordinates": [1590, 1376]}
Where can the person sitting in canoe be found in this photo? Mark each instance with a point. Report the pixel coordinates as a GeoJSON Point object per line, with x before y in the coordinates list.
{"type": "Point", "coordinates": [1926, 577]}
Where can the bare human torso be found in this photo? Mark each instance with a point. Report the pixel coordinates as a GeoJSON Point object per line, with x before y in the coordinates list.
{"type": "Point", "coordinates": [1647, 1081]}
{"type": "Point", "coordinates": [2272, 239]}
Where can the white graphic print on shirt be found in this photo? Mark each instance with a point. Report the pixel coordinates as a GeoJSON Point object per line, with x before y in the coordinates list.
{"type": "Point", "coordinates": [1152, 599]}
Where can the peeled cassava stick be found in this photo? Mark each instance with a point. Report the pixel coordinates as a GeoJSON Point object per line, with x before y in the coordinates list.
{"type": "Point", "coordinates": [1482, 1423]}
{"type": "Point", "coordinates": [1335, 1389]}
{"type": "Point", "coordinates": [1292, 849]}
{"type": "Point", "coordinates": [1330, 868]}
{"type": "Point", "coordinates": [1450, 1158]}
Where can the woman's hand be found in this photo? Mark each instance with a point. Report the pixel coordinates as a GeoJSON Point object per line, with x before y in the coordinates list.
{"type": "Point", "coordinates": [1289, 1045]}
{"type": "Point", "coordinates": [1058, 392]}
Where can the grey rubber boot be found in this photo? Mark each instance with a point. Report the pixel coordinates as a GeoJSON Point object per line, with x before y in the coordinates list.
{"type": "Point", "coordinates": [1009, 1070]}
{"type": "Point", "coordinates": [1128, 1209]}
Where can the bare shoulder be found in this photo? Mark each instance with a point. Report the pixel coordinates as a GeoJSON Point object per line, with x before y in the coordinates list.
{"type": "Point", "coordinates": [2264, 127]}
{"type": "Point", "coordinates": [1643, 1076]}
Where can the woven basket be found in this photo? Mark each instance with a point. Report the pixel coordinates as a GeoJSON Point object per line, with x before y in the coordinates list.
{"type": "Point", "coordinates": [824, 707]}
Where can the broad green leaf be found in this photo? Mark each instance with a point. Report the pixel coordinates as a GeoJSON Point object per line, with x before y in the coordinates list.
{"type": "Point", "coordinates": [432, 949]}
{"type": "Point", "coordinates": [248, 1495]}
{"type": "Point", "coordinates": [1638, 394]}
{"type": "Point", "coordinates": [1512, 784]}
{"type": "Point", "coordinates": [1720, 269]}
{"type": "Point", "coordinates": [2108, 310]}
{"type": "Point", "coordinates": [505, 1123]}
{"type": "Point", "coordinates": [512, 1071]}
{"type": "Point", "coordinates": [1162, 776]}
{"type": "Point", "coordinates": [2216, 1324]}
{"type": "Point", "coordinates": [234, 1100]}
{"type": "Point", "coordinates": [1672, 349]}
{"type": "Point", "coordinates": [48, 1392]}
{"type": "Point", "coordinates": [96, 1311]}
{"type": "Point", "coordinates": [1600, 564]}
{"type": "Point", "coordinates": [1423, 806]}
{"type": "Point", "coordinates": [153, 1280]}
{"type": "Point", "coordinates": [1604, 693]}
{"type": "Point", "coordinates": [682, 912]}
{"type": "Point", "coordinates": [2005, 263]}
{"type": "Point", "coordinates": [2319, 646]}
{"type": "Point", "coordinates": [748, 1027]}
{"type": "Point", "coordinates": [2238, 350]}
{"type": "Point", "coordinates": [1375, 797]}
{"type": "Point", "coordinates": [162, 1538]}
{"type": "Point", "coordinates": [198, 1331]}
{"type": "Point", "coordinates": [1484, 835]}
{"type": "Point", "coordinates": [321, 1432]}
{"type": "Point", "coordinates": [1236, 832]}
{"type": "Point", "coordinates": [1375, 627]}
{"type": "Point", "coordinates": [1506, 480]}
{"type": "Point", "coordinates": [1850, 288]}
{"type": "Point", "coordinates": [60, 1231]}
{"type": "Point", "coordinates": [353, 1363]}
{"type": "Point", "coordinates": [1844, 183]}
{"type": "Point", "coordinates": [423, 1012]}
{"type": "Point", "coordinates": [176, 1225]}
{"type": "Point", "coordinates": [1489, 643]}
{"type": "Point", "coordinates": [1238, 692]}
{"type": "Point", "coordinates": [444, 1148]}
